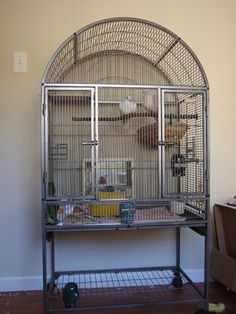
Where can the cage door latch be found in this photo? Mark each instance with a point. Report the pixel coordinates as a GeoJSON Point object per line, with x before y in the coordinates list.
{"type": "Point", "coordinates": [92, 143]}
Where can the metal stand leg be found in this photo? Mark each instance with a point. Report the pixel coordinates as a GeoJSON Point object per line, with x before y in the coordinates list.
{"type": "Point", "coordinates": [45, 294]}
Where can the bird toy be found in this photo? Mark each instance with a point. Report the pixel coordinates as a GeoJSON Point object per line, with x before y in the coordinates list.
{"type": "Point", "coordinates": [216, 308]}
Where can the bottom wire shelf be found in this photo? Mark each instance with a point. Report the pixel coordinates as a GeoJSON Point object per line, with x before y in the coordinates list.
{"type": "Point", "coordinates": [123, 288]}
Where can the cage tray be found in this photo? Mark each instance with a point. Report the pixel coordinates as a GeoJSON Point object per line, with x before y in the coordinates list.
{"type": "Point", "coordinates": [141, 216]}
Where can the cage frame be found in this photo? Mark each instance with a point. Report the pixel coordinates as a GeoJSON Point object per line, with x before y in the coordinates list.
{"type": "Point", "coordinates": [199, 225]}
{"type": "Point", "coordinates": [93, 89]}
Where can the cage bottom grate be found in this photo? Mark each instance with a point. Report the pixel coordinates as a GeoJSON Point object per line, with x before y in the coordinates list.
{"type": "Point", "coordinates": [122, 287]}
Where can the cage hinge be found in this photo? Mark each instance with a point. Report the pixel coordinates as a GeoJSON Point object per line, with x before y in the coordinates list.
{"type": "Point", "coordinates": [206, 110]}
{"type": "Point", "coordinates": [44, 109]}
{"type": "Point", "coordinates": [207, 175]}
{"type": "Point", "coordinates": [161, 143]}
{"type": "Point", "coordinates": [44, 177]}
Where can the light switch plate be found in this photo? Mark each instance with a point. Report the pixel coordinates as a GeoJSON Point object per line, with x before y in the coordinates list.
{"type": "Point", "coordinates": [20, 61]}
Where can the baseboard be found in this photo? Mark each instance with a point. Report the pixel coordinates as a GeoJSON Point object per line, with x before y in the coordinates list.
{"type": "Point", "coordinates": [30, 283]}
{"type": "Point", "coordinates": [27, 283]}
{"type": "Point", "coordinates": [197, 275]}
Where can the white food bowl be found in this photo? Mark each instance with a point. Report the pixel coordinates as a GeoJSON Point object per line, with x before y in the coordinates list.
{"type": "Point", "coordinates": [177, 207]}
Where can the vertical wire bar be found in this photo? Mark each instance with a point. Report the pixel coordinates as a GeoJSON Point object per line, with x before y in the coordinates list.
{"type": "Point", "coordinates": [62, 178]}
{"type": "Point", "coordinates": [43, 140]}
{"type": "Point", "coordinates": [51, 137]}
{"type": "Point", "coordinates": [60, 107]}
{"type": "Point", "coordinates": [78, 175]}
{"type": "Point", "coordinates": [64, 166]}
{"type": "Point", "coordinates": [197, 175]}
{"type": "Point", "coordinates": [96, 138]}
{"type": "Point", "coordinates": [92, 139]}
{"type": "Point", "coordinates": [178, 97]}
{"type": "Point", "coordinates": [161, 126]}
{"type": "Point", "coordinates": [205, 156]}
{"type": "Point", "coordinates": [67, 165]}
{"type": "Point", "coordinates": [178, 238]}
{"type": "Point", "coordinates": [49, 158]}
{"type": "Point", "coordinates": [75, 169]}
{"type": "Point", "coordinates": [160, 122]}
{"type": "Point", "coordinates": [46, 143]}
{"type": "Point", "coordinates": [69, 137]}
{"type": "Point", "coordinates": [53, 129]}
{"type": "Point", "coordinates": [75, 51]}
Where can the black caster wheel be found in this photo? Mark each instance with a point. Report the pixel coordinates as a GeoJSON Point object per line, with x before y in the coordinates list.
{"type": "Point", "coordinates": [177, 281]}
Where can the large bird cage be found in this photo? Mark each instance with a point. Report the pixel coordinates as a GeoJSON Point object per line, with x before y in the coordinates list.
{"type": "Point", "coordinates": [124, 128]}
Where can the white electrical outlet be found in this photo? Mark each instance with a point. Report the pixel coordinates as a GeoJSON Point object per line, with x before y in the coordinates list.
{"type": "Point", "coordinates": [20, 61]}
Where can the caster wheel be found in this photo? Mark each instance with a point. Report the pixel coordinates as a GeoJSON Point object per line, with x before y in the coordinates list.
{"type": "Point", "coordinates": [177, 281]}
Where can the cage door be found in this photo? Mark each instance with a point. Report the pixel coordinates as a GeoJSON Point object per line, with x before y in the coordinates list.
{"type": "Point", "coordinates": [128, 157]}
{"type": "Point", "coordinates": [70, 142]}
{"type": "Point", "coordinates": [184, 143]}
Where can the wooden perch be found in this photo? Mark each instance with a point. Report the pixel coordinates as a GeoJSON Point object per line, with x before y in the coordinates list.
{"type": "Point", "coordinates": [128, 116]}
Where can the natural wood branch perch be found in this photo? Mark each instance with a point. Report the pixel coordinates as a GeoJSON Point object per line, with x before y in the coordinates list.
{"type": "Point", "coordinates": [128, 116]}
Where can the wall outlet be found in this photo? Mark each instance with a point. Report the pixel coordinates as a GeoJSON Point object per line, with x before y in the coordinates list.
{"type": "Point", "coordinates": [20, 61]}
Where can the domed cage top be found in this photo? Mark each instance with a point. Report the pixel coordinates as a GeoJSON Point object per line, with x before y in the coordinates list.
{"type": "Point", "coordinates": [125, 51]}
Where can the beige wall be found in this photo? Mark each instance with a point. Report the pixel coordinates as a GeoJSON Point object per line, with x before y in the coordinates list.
{"type": "Point", "coordinates": [39, 27]}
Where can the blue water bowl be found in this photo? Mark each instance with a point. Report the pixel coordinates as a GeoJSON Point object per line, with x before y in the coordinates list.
{"type": "Point", "coordinates": [127, 211]}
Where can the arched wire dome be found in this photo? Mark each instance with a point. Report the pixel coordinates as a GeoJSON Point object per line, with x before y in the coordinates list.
{"type": "Point", "coordinates": [125, 51]}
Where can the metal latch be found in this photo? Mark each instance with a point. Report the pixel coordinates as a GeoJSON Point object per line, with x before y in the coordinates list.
{"type": "Point", "coordinates": [92, 143]}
